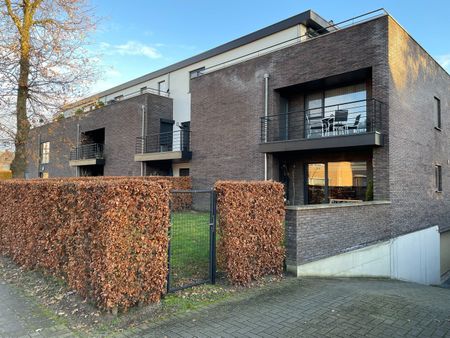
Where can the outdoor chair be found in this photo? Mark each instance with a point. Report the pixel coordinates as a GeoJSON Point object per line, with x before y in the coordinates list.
{"type": "Point", "coordinates": [340, 121]}
{"type": "Point", "coordinates": [314, 124]}
{"type": "Point", "coordinates": [355, 125]}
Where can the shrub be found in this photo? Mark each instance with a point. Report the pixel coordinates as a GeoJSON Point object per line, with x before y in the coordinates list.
{"type": "Point", "coordinates": [107, 238]}
{"type": "Point", "coordinates": [179, 201]}
{"type": "Point", "coordinates": [251, 218]}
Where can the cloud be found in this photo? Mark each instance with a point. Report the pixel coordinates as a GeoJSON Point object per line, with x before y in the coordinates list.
{"type": "Point", "coordinates": [102, 85]}
{"type": "Point", "coordinates": [131, 48]}
{"type": "Point", "coordinates": [112, 72]}
{"type": "Point", "coordinates": [444, 60]}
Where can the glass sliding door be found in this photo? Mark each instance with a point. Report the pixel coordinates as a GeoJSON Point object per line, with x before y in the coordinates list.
{"type": "Point", "coordinates": [314, 115]}
{"type": "Point", "coordinates": [337, 182]}
{"type": "Point", "coordinates": [338, 109]}
{"type": "Point", "coordinates": [349, 102]}
{"type": "Point", "coordinates": [316, 183]}
{"type": "Point", "coordinates": [347, 181]}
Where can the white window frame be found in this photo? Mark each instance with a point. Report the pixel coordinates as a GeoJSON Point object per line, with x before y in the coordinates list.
{"type": "Point", "coordinates": [45, 152]}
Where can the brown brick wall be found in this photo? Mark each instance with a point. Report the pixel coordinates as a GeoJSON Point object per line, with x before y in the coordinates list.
{"type": "Point", "coordinates": [227, 104]}
{"type": "Point", "coordinates": [122, 123]}
{"type": "Point", "coordinates": [415, 146]}
{"type": "Point", "coordinates": [415, 79]}
{"type": "Point", "coordinates": [316, 232]}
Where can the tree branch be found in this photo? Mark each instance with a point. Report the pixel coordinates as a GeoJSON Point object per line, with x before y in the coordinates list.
{"type": "Point", "coordinates": [13, 15]}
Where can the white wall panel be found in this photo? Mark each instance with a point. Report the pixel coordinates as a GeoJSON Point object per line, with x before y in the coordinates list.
{"type": "Point", "coordinates": [413, 257]}
{"type": "Point", "coordinates": [416, 257]}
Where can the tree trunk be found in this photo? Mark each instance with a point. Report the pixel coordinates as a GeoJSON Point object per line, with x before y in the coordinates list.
{"type": "Point", "coordinates": [19, 164]}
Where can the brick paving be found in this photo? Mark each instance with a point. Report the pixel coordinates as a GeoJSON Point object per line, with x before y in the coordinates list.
{"type": "Point", "coordinates": [320, 308]}
{"type": "Point", "coordinates": [306, 308]}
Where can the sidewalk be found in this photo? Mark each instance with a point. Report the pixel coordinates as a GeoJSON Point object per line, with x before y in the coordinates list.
{"type": "Point", "coordinates": [22, 316]}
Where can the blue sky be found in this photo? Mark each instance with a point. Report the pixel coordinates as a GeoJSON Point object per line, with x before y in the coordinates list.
{"type": "Point", "coordinates": [136, 37]}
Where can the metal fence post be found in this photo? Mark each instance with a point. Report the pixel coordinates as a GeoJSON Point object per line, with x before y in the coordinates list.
{"type": "Point", "coordinates": [212, 238]}
{"type": "Point", "coordinates": [169, 249]}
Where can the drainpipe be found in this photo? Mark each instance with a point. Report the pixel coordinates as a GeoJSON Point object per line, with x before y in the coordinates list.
{"type": "Point", "coordinates": [168, 85]}
{"type": "Point", "coordinates": [143, 138]}
{"type": "Point", "coordinates": [77, 145]}
{"type": "Point", "coordinates": [266, 113]}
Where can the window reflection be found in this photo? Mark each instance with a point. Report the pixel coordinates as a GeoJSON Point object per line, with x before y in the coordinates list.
{"type": "Point", "coordinates": [347, 181]}
{"type": "Point", "coordinates": [336, 182]}
{"type": "Point", "coordinates": [316, 183]}
{"type": "Point", "coordinates": [333, 103]}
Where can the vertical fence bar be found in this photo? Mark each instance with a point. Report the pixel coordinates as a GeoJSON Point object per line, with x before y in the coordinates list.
{"type": "Point", "coordinates": [169, 251]}
{"type": "Point", "coordinates": [212, 238]}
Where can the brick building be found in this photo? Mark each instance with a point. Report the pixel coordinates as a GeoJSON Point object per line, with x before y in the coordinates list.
{"type": "Point", "coordinates": [6, 158]}
{"type": "Point", "coordinates": [352, 118]}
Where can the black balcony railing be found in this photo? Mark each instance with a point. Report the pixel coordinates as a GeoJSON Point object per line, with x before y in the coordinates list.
{"type": "Point", "coordinates": [179, 140]}
{"type": "Point", "coordinates": [87, 152]}
{"type": "Point", "coordinates": [346, 118]}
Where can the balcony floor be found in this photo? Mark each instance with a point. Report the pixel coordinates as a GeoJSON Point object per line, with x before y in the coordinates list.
{"type": "Point", "coordinates": [330, 142]}
{"type": "Point", "coordinates": [90, 161]}
{"type": "Point", "coordinates": [165, 155]}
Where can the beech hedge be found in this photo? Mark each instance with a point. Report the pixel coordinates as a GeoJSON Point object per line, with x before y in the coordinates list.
{"type": "Point", "coordinates": [107, 238]}
{"type": "Point", "coordinates": [251, 230]}
{"type": "Point", "coordinates": [179, 201]}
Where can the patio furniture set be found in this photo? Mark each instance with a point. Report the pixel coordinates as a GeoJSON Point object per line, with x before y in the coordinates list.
{"type": "Point", "coordinates": [333, 125]}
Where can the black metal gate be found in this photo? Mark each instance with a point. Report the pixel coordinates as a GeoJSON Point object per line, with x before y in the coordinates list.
{"type": "Point", "coordinates": [192, 246]}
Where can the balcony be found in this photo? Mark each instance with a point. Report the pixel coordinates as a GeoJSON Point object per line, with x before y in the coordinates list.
{"type": "Point", "coordinates": [87, 154]}
{"type": "Point", "coordinates": [174, 145]}
{"type": "Point", "coordinates": [343, 125]}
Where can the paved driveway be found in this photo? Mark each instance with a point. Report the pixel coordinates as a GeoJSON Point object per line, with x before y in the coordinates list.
{"type": "Point", "coordinates": [307, 308]}
{"type": "Point", "coordinates": [322, 307]}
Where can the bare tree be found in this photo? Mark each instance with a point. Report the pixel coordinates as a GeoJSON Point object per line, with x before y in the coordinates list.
{"type": "Point", "coordinates": [44, 63]}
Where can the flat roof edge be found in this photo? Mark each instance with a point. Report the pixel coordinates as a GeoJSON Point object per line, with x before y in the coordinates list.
{"type": "Point", "coordinates": [308, 17]}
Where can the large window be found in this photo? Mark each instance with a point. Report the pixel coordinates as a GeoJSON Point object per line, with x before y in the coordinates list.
{"type": "Point", "coordinates": [336, 182]}
{"type": "Point", "coordinates": [347, 101]}
{"type": "Point", "coordinates": [437, 113]}
{"type": "Point", "coordinates": [45, 152]}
